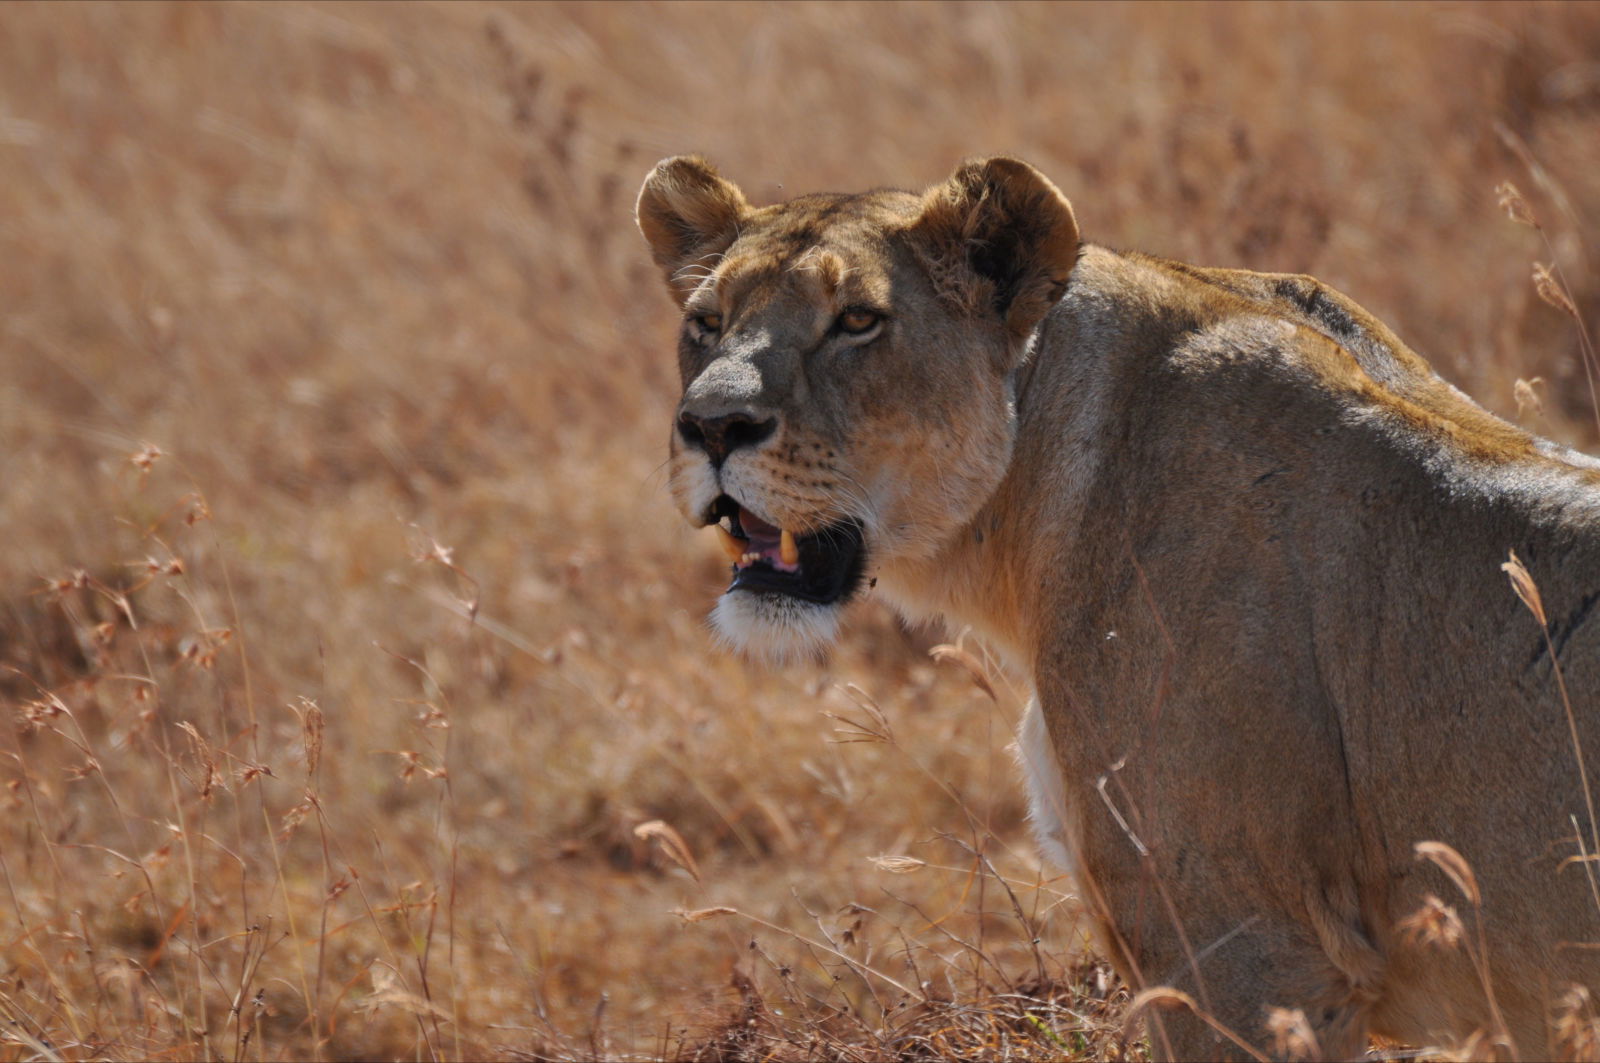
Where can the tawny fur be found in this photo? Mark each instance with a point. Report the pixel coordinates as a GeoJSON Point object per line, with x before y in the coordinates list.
{"type": "Point", "coordinates": [1245, 544]}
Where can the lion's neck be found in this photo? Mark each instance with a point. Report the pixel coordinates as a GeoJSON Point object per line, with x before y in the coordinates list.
{"type": "Point", "coordinates": [964, 589]}
{"type": "Point", "coordinates": [996, 575]}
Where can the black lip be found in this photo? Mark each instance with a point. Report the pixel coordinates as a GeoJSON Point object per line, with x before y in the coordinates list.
{"type": "Point", "coordinates": [832, 561]}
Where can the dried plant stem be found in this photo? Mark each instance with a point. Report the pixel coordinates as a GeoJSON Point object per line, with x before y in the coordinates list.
{"type": "Point", "coordinates": [1527, 590]}
{"type": "Point", "coordinates": [854, 964]}
{"type": "Point", "coordinates": [1552, 288]}
{"type": "Point", "coordinates": [1568, 305]}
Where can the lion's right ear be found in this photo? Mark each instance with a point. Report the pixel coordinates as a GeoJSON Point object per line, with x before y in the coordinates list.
{"type": "Point", "coordinates": [688, 214]}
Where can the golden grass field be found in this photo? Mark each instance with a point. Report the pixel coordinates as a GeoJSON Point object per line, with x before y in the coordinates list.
{"type": "Point", "coordinates": [359, 702]}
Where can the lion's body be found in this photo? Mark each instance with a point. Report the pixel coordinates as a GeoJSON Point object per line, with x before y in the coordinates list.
{"type": "Point", "coordinates": [1269, 587]}
{"type": "Point", "coordinates": [1248, 548]}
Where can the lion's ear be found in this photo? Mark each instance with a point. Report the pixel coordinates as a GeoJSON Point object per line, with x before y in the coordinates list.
{"type": "Point", "coordinates": [999, 237]}
{"type": "Point", "coordinates": [688, 213]}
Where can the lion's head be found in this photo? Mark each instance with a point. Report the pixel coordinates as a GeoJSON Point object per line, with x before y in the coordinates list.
{"type": "Point", "coordinates": [848, 365]}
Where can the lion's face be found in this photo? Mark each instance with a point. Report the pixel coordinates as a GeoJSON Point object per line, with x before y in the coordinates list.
{"type": "Point", "coordinates": [847, 365]}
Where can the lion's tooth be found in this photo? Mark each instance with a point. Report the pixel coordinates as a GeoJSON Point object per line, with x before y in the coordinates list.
{"type": "Point", "coordinates": [731, 545]}
{"type": "Point", "coordinates": [788, 549]}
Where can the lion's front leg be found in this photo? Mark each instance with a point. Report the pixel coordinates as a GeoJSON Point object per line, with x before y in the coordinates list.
{"type": "Point", "coordinates": [1247, 910]}
{"type": "Point", "coordinates": [1252, 980]}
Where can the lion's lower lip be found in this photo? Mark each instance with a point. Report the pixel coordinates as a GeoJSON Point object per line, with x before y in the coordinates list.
{"type": "Point", "coordinates": [827, 563]}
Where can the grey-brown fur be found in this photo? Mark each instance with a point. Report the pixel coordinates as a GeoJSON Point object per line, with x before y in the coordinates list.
{"type": "Point", "coordinates": [1247, 547]}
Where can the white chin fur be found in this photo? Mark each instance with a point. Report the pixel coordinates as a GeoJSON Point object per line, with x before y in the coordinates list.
{"type": "Point", "coordinates": [774, 628]}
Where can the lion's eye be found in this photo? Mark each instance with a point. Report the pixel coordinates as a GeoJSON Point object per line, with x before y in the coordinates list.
{"type": "Point", "coordinates": [706, 325]}
{"type": "Point", "coordinates": [856, 320]}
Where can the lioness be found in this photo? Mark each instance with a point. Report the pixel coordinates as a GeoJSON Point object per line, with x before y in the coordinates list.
{"type": "Point", "coordinates": [1246, 545]}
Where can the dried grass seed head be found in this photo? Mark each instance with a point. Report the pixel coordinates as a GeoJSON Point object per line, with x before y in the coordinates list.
{"type": "Point", "coordinates": [1511, 200]}
{"type": "Point", "coordinates": [1527, 590]}
{"type": "Point", "coordinates": [1435, 923]}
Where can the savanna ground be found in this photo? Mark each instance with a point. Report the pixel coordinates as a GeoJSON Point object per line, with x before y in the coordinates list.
{"type": "Point", "coordinates": [358, 699]}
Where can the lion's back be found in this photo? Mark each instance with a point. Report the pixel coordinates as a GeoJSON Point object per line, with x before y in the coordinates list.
{"type": "Point", "coordinates": [1318, 514]}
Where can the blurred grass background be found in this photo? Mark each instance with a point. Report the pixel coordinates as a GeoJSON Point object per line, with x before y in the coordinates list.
{"type": "Point", "coordinates": [346, 633]}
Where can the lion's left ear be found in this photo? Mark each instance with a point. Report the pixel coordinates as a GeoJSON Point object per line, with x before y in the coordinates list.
{"type": "Point", "coordinates": [998, 237]}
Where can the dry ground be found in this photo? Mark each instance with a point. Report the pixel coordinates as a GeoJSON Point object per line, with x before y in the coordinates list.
{"type": "Point", "coordinates": [348, 638]}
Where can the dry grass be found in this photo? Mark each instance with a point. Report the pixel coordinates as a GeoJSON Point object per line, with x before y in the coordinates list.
{"type": "Point", "coordinates": [347, 637]}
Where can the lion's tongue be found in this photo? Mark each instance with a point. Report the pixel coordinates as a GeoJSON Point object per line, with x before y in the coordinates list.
{"type": "Point", "coordinates": [766, 541]}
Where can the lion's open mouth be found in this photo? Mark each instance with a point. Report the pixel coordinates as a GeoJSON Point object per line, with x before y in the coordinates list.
{"type": "Point", "coordinates": [823, 566]}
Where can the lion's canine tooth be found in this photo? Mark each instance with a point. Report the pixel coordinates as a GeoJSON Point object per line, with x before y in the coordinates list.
{"type": "Point", "coordinates": [787, 549]}
{"type": "Point", "coordinates": [731, 545]}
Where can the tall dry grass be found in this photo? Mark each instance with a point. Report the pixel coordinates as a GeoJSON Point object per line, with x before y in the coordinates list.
{"type": "Point", "coordinates": [347, 638]}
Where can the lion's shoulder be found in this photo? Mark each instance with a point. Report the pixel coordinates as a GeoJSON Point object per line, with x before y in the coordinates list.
{"type": "Point", "coordinates": [1268, 335]}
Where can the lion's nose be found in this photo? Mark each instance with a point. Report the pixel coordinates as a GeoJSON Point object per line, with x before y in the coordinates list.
{"type": "Point", "coordinates": [725, 433]}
